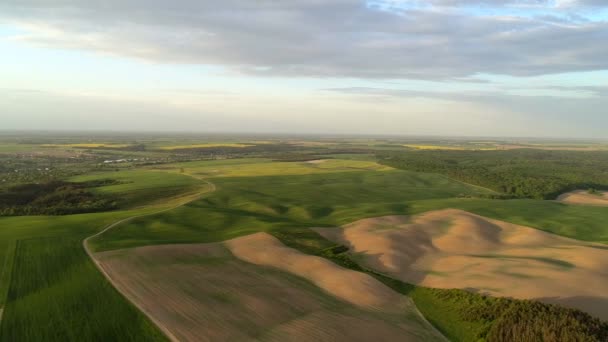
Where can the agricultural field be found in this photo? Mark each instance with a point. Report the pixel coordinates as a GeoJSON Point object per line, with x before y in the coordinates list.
{"type": "Point", "coordinates": [304, 171]}
{"type": "Point", "coordinates": [47, 274]}
{"type": "Point", "coordinates": [208, 145]}
{"type": "Point", "coordinates": [453, 248]}
{"type": "Point", "coordinates": [454, 147]}
{"type": "Point", "coordinates": [239, 224]}
{"type": "Point", "coordinates": [87, 145]}
{"type": "Point", "coordinates": [262, 296]}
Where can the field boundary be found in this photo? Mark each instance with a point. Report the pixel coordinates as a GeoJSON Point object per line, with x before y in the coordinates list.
{"type": "Point", "coordinates": [97, 263]}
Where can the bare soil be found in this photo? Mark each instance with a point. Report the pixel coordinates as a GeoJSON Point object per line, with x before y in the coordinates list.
{"type": "Point", "coordinates": [456, 249]}
{"type": "Point", "coordinates": [585, 198]}
{"type": "Point", "coordinates": [362, 290]}
{"type": "Point", "coordinates": [202, 292]}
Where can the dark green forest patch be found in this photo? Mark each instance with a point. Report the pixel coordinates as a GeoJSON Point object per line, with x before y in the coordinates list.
{"type": "Point", "coordinates": [55, 198]}
{"type": "Point", "coordinates": [522, 173]}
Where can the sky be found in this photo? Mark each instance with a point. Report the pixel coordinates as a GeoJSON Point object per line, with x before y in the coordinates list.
{"type": "Point", "coordinates": [516, 68]}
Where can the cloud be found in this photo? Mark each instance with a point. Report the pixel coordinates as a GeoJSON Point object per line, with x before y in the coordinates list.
{"type": "Point", "coordinates": [501, 94]}
{"type": "Point", "coordinates": [314, 38]}
{"type": "Point", "coordinates": [600, 91]}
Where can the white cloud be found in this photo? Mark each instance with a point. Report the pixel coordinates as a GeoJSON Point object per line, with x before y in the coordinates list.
{"type": "Point", "coordinates": [341, 38]}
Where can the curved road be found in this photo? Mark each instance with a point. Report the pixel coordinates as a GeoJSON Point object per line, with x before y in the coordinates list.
{"type": "Point", "coordinates": [85, 244]}
{"type": "Point", "coordinates": [159, 324]}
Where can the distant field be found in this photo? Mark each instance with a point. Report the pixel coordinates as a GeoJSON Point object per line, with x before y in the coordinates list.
{"type": "Point", "coordinates": [501, 145]}
{"type": "Point", "coordinates": [266, 167]}
{"type": "Point", "coordinates": [11, 148]}
{"type": "Point", "coordinates": [451, 147]}
{"type": "Point", "coordinates": [557, 147]}
{"type": "Point", "coordinates": [207, 145]}
{"type": "Point", "coordinates": [87, 145]}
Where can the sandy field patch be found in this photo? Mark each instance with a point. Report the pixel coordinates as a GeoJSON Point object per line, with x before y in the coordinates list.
{"type": "Point", "coordinates": [456, 249]}
{"type": "Point", "coordinates": [316, 161]}
{"type": "Point", "coordinates": [202, 292]}
{"type": "Point", "coordinates": [553, 148]}
{"type": "Point", "coordinates": [584, 197]}
{"type": "Point", "coordinates": [362, 290]}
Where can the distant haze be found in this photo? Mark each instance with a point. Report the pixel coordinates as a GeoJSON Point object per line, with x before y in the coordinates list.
{"type": "Point", "coordinates": [458, 68]}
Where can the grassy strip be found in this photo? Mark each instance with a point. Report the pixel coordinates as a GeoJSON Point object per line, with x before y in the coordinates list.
{"type": "Point", "coordinates": [5, 272]}
{"type": "Point", "coordinates": [56, 286]}
{"type": "Point", "coordinates": [466, 316]}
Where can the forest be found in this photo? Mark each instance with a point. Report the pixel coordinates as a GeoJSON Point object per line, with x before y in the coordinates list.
{"type": "Point", "coordinates": [520, 173]}
{"type": "Point", "coordinates": [55, 198]}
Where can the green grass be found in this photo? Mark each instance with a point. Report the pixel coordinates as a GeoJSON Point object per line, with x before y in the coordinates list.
{"type": "Point", "coordinates": [243, 205]}
{"type": "Point", "coordinates": [57, 294]}
{"type": "Point", "coordinates": [443, 310]}
{"type": "Point", "coordinates": [142, 187]}
{"type": "Point", "coordinates": [205, 145]}
{"type": "Point", "coordinates": [13, 148]}
{"type": "Point", "coordinates": [8, 248]}
{"type": "Point", "coordinates": [53, 292]}
{"type": "Point", "coordinates": [266, 167]}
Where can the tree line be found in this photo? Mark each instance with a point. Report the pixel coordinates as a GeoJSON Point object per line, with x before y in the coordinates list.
{"type": "Point", "coordinates": [55, 198]}
{"type": "Point", "coordinates": [522, 173]}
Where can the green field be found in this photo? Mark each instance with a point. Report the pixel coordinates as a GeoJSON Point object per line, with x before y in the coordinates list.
{"type": "Point", "coordinates": [265, 167]}
{"type": "Point", "coordinates": [52, 276]}
{"type": "Point", "coordinates": [55, 285]}
{"type": "Point", "coordinates": [51, 290]}
{"type": "Point", "coordinates": [49, 287]}
{"type": "Point", "coordinates": [243, 205]}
